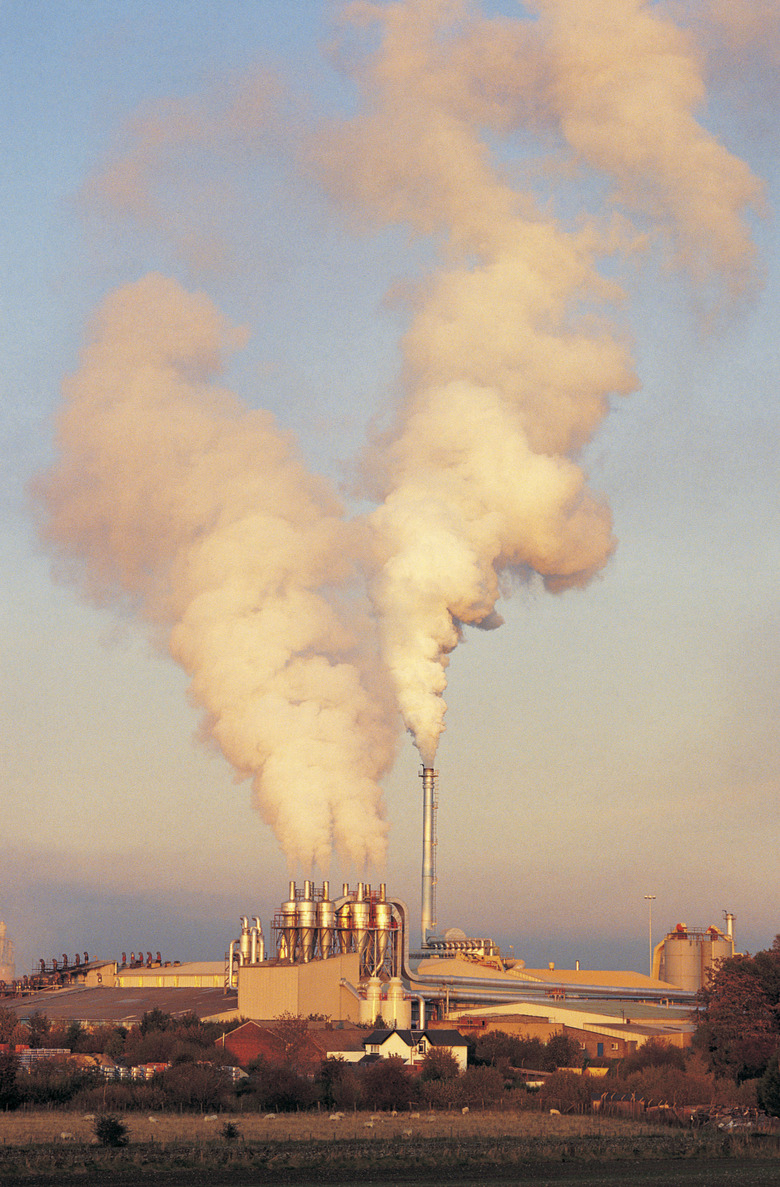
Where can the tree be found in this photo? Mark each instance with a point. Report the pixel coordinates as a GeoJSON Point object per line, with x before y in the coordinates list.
{"type": "Point", "coordinates": [439, 1064]}
{"type": "Point", "coordinates": [278, 1088]}
{"type": "Point", "coordinates": [739, 1025]}
{"type": "Point", "coordinates": [10, 1097]}
{"type": "Point", "coordinates": [567, 1092]}
{"type": "Point", "coordinates": [768, 1092]}
{"type": "Point", "coordinates": [292, 1030]}
{"type": "Point", "coordinates": [563, 1051]}
{"type": "Point", "coordinates": [339, 1083]}
{"type": "Point", "coordinates": [193, 1085]}
{"type": "Point", "coordinates": [480, 1086]}
{"type": "Point", "coordinates": [388, 1085]}
{"type": "Point", "coordinates": [8, 1021]}
{"type": "Point", "coordinates": [39, 1027]}
{"type": "Point", "coordinates": [653, 1053]}
{"type": "Point", "coordinates": [497, 1048]}
{"type": "Point", "coordinates": [156, 1020]}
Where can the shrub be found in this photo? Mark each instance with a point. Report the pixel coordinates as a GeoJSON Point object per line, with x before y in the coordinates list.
{"type": "Point", "coordinates": [654, 1053]}
{"type": "Point", "coordinates": [561, 1050]}
{"type": "Point", "coordinates": [439, 1064]}
{"type": "Point", "coordinates": [568, 1092]}
{"type": "Point", "coordinates": [768, 1089]}
{"type": "Point", "coordinates": [110, 1131]}
{"type": "Point", "coordinates": [10, 1097]}
{"type": "Point", "coordinates": [193, 1085]}
{"type": "Point", "coordinates": [387, 1084]}
{"type": "Point", "coordinates": [55, 1081]}
{"type": "Point", "coordinates": [276, 1088]}
{"type": "Point", "coordinates": [339, 1084]}
{"type": "Point", "coordinates": [480, 1086]}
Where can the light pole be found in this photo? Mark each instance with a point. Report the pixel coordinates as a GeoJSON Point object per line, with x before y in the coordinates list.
{"type": "Point", "coordinates": [650, 899]}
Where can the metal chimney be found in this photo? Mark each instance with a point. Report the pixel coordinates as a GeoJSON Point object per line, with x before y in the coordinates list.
{"type": "Point", "coordinates": [428, 897]}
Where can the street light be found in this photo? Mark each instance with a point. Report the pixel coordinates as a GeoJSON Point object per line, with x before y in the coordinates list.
{"type": "Point", "coordinates": [650, 899]}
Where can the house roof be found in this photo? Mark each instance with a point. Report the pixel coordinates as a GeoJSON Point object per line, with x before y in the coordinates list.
{"type": "Point", "coordinates": [436, 1038]}
{"type": "Point", "coordinates": [445, 1038]}
{"type": "Point", "coordinates": [345, 1040]}
{"type": "Point", "coordinates": [378, 1037]}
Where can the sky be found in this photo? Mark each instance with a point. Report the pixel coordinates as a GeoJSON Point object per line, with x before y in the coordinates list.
{"type": "Point", "coordinates": [382, 384]}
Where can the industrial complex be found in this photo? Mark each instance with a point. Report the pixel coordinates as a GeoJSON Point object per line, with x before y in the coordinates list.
{"type": "Point", "coordinates": [348, 956]}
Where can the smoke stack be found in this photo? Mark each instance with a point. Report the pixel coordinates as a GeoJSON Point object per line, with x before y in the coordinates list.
{"type": "Point", "coordinates": [729, 924]}
{"type": "Point", "coordinates": [428, 897]}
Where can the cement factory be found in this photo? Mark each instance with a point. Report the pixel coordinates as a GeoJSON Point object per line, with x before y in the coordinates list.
{"type": "Point", "coordinates": [349, 956]}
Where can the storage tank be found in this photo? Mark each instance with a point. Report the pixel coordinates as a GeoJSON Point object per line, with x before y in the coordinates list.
{"type": "Point", "coordinates": [397, 1010]}
{"type": "Point", "coordinates": [306, 920]}
{"type": "Point", "coordinates": [326, 922]}
{"type": "Point", "coordinates": [344, 921]}
{"type": "Point", "coordinates": [360, 915]}
{"type": "Point", "coordinates": [288, 947]}
{"type": "Point", "coordinates": [686, 955]}
{"type": "Point", "coordinates": [381, 922]}
{"type": "Point", "coordinates": [371, 1007]}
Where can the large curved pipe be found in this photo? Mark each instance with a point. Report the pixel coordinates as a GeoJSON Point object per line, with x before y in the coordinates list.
{"type": "Point", "coordinates": [489, 989]}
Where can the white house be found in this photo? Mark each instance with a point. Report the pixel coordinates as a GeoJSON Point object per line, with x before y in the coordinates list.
{"type": "Point", "coordinates": [413, 1045]}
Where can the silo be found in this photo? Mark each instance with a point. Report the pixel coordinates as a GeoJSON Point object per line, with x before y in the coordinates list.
{"type": "Point", "coordinates": [307, 923]}
{"type": "Point", "coordinates": [360, 915]}
{"type": "Point", "coordinates": [372, 1006]}
{"type": "Point", "coordinates": [687, 955]}
{"type": "Point", "coordinates": [716, 946]}
{"type": "Point", "coordinates": [398, 1009]}
{"type": "Point", "coordinates": [381, 921]}
{"type": "Point", "coordinates": [245, 942]}
{"type": "Point", "coordinates": [289, 946]}
{"type": "Point", "coordinates": [344, 921]}
{"type": "Point", "coordinates": [682, 959]}
{"type": "Point", "coordinates": [326, 922]}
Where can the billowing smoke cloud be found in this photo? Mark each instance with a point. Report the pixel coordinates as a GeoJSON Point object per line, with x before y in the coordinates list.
{"type": "Point", "coordinates": [509, 370]}
{"type": "Point", "coordinates": [171, 492]}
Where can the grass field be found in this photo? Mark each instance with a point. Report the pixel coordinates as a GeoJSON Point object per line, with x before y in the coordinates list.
{"type": "Point", "coordinates": [311, 1148]}
{"type": "Point", "coordinates": [21, 1129]}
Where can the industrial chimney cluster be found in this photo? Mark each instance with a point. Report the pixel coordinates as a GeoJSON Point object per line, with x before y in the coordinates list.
{"type": "Point", "coordinates": [311, 926]}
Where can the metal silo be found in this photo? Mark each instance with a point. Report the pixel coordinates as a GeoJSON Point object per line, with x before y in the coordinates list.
{"type": "Point", "coordinates": [307, 923]}
{"type": "Point", "coordinates": [360, 915]}
{"type": "Point", "coordinates": [326, 922]}
{"type": "Point", "coordinates": [288, 948]}
{"type": "Point", "coordinates": [381, 922]}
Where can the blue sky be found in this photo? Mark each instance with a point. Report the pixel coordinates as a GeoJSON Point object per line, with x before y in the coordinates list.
{"type": "Point", "coordinates": [604, 744]}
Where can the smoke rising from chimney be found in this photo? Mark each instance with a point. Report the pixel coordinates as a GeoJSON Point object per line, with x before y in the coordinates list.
{"type": "Point", "coordinates": [171, 493]}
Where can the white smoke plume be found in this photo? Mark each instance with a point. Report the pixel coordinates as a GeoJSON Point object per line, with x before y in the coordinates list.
{"type": "Point", "coordinates": [509, 371]}
{"type": "Point", "coordinates": [172, 492]}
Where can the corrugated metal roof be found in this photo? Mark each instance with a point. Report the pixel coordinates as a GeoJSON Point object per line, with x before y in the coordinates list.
{"type": "Point", "coordinates": [126, 1006]}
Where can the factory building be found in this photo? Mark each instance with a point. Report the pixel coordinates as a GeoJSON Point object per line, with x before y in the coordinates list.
{"type": "Point", "coordinates": [348, 956]}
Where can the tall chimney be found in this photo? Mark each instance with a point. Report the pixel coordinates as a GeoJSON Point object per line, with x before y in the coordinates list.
{"type": "Point", "coordinates": [428, 897]}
